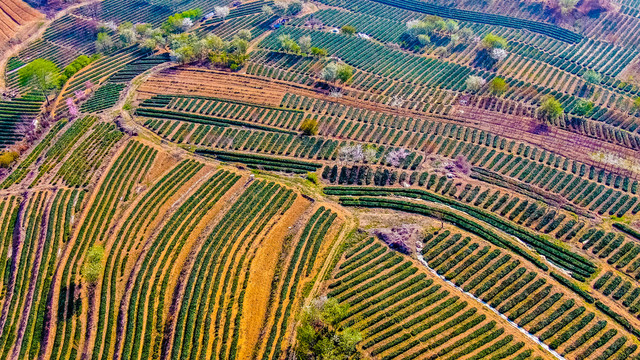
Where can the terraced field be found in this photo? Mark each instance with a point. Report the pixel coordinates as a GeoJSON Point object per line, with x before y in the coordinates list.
{"type": "Point", "coordinates": [13, 15]}
{"type": "Point", "coordinates": [363, 179]}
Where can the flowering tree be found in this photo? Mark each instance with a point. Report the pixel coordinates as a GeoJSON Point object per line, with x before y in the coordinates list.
{"type": "Point", "coordinates": [398, 238]}
{"type": "Point", "coordinates": [73, 109]}
{"type": "Point", "coordinates": [337, 72]}
{"type": "Point", "coordinates": [80, 95]}
{"type": "Point", "coordinates": [550, 108]}
{"type": "Point", "coordinates": [475, 83]}
{"type": "Point", "coordinates": [462, 164]}
{"type": "Point", "coordinates": [498, 54]}
{"type": "Point", "coordinates": [370, 154]}
{"type": "Point", "coordinates": [221, 11]}
{"type": "Point", "coordinates": [351, 153]}
{"type": "Point", "coordinates": [396, 157]}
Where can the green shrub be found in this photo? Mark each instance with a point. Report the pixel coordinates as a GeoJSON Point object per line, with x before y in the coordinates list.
{"type": "Point", "coordinates": [309, 127]}
{"type": "Point", "coordinates": [7, 158]}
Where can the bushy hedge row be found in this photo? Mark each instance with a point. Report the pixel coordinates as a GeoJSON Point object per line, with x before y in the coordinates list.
{"type": "Point", "coordinates": [406, 291]}
{"type": "Point", "coordinates": [448, 216]}
{"type": "Point", "coordinates": [261, 161]}
{"type": "Point", "coordinates": [360, 259]}
{"type": "Point", "coordinates": [587, 335]}
{"type": "Point", "coordinates": [22, 170]}
{"type": "Point", "coordinates": [618, 318]}
{"type": "Point", "coordinates": [392, 321]}
{"type": "Point", "coordinates": [597, 344]}
{"type": "Point", "coordinates": [627, 229]}
{"type": "Point", "coordinates": [361, 275]}
{"type": "Point", "coordinates": [105, 97]}
{"type": "Point", "coordinates": [203, 119]}
{"type": "Point", "coordinates": [370, 288]}
{"type": "Point", "coordinates": [568, 334]}
{"type": "Point", "coordinates": [487, 272]}
{"type": "Point", "coordinates": [457, 259]}
{"type": "Point", "coordinates": [472, 260]}
{"type": "Point", "coordinates": [535, 299]}
{"type": "Point", "coordinates": [387, 261]}
{"type": "Point", "coordinates": [476, 267]}
{"type": "Point", "coordinates": [472, 322]}
{"type": "Point", "coordinates": [575, 288]}
{"type": "Point", "coordinates": [521, 296]}
{"type": "Point", "coordinates": [491, 19]}
{"type": "Point", "coordinates": [450, 251]}
{"type": "Point", "coordinates": [474, 335]}
{"type": "Point", "coordinates": [143, 212]}
{"type": "Point", "coordinates": [424, 324]}
{"type": "Point", "coordinates": [557, 326]}
{"type": "Point", "coordinates": [429, 293]}
{"type": "Point", "coordinates": [543, 323]}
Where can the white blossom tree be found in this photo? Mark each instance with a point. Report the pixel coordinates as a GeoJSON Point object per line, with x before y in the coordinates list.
{"type": "Point", "coordinates": [221, 11]}
{"type": "Point", "coordinates": [396, 157]}
{"type": "Point", "coordinates": [475, 83]}
{"type": "Point", "coordinates": [498, 54]}
{"type": "Point", "coordinates": [351, 153]}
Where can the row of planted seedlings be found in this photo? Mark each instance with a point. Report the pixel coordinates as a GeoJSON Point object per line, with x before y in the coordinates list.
{"type": "Point", "coordinates": [144, 213]}
{"type": "Point", "coordinates": [162, 254]}
{"type": "Point", "coordinates": [376, 282]}
{"type": "Point", "coordinates": [128, 169]}
{"type": "Point", "coordinates": [303, 255]}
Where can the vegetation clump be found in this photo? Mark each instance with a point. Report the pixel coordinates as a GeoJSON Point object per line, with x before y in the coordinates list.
{"type": "Point", "coordinates": [321, 337]}
{"type": "Point", "coordinates": [550, 108]}
{"type": "Point", "coordinates": [7, 158]}
{"type": "Point", "coordinates": [309, 127]}
{"type": "Point", "coordinates": [93, 266]}
{"type": "Point", "coordinates": [42, 75]}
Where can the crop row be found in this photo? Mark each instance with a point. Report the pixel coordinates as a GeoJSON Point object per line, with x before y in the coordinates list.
{"type": "Point", "coordinates": [506, 287]}
{"type": "Point", "coordinates": [525, 162]}
{"type": "Point", "coordinates": [619, 290]}
{"type": "Point", "coordinates": [615, 248]}
{"type": "Point", "coordinates": [148, 295]}
{"type": "Point", "coordinates": [143, 213]}
{"type": "Point", "coordinates": [262, 162]}
{"type": "Point", "coordinates": [57, 233]}
{"type": "Point", "coordinates": [203, 119]}
{"type": "Point", "coordinates": [78, 168]}
{"type": "Point", "coordinates": [128, 169]}
{"type": "Point", "coordinates": [531, 214]}
{"type": "Point", "coordinates": [19, 275]}
{"type": "Point", "coordinates": [408, 315]}
{"type": "Point", "coordinates": [21, 171]}
{"type": "Point", "coordinates": [15, 112]}
{"type": "Point", "coordinates": [292, 275]}
{"type": "Point", "coordinates": [63, 144]}
{"type": "Point", "coordinates": [504, 283]}
{"type": "Point", "coordinates": [105, 97]}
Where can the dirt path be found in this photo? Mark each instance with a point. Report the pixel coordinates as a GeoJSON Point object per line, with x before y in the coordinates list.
{"type": "Point", "coordinates": [263, 271]}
